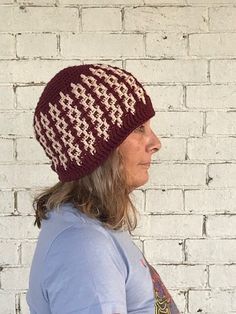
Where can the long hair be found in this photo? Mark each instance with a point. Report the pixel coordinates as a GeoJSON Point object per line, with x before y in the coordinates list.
{"type": "Point", "coordinates": [103, 195]}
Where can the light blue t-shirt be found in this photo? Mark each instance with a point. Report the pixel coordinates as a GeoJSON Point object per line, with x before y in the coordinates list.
{"type": "Point", "coordinates": [80, 267]}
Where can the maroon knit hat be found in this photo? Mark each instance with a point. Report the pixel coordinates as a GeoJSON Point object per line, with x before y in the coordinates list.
{"type": "Point", "coordinates": [84, 113]}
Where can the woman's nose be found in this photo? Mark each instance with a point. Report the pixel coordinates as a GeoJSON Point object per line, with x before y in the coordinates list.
{"type": "Point", "coordinates": [156, 143]}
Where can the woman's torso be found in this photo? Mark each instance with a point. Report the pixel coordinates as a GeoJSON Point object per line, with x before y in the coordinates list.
{"type": "Point", "coordinates": [69, 231]}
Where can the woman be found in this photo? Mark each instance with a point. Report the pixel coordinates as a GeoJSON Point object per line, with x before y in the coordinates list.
{"type": "Point", "coordinates": [93, 122]}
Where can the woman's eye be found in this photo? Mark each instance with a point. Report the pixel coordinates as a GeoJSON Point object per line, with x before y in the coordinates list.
{"type": "Point", "coordinates": [141, 128]}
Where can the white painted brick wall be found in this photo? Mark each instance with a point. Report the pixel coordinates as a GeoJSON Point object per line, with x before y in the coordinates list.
{"type": "Point", "coordinates": [213, 301]}
{"type": "Point", "coordinates": [7, 44]}
{"type": "Point", "coordinates": [184, 52]}
{"type": "Point", "coordinates": [169, 71]}
{"type": "Point", "coordinates": [211, 96]}
{"type": "Point", "coordinates": [101, 19]}
{"type": "Point", "coordinates": [36, 45]}
{"type": "Point", "coordinates": [6, 97]}
{"type": "Point", "coordinates": [95, 45]}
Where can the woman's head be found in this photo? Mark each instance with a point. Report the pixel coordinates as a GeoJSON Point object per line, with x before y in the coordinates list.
{"type": "Point", "coordinates": [84, 113]}
{"type": "Point", "coordinates": [93, 122]}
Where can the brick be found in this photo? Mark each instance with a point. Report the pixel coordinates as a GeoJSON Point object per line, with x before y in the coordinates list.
{"type": "Point", "coordinates": [40, 176]}
{"type": "Point", "coordinates": [7, 301]}
{"type": "Point", "coordinates": [143, 227]}
{"type": "Point", "coordinates": [217, 302]}
{"type": "Point", "coordinates": [30, 150]}
{"type": "Point", "coordinates": [223, 71]}
{"type": "Point", "coordinates": [210, 148]}
{"type": "Point", "coordinates": [101, 2]}
{"type": "Point", "coordinates": [223, 175]}
{"type": "Point", "coordinates": [28, 96]}
{"type": "Point", "coordinates": [172, 71]}
{"type": "Point", "coordinates": [26, 176]}
{"type": "Point", "coordinates": [159, 251]}
{"type": "Point", "coordinates": [207, 2]}
{"type": "Point", "coordinates": [177, 175]}
{"type": "Point", "coordinates": [21, 71]}
{"type": "Point", "coordinates": [25, 201]}
{"type": "Point", "coordinates": [12, 275]}
{"type": "Point", "coordinates": [138, 199]}
{"type": "Point", "coordinates": [36, 45]}
{"type": "Point", "coordinates": [16, 123]}
{"type": "Point", "coordinates": [221, 226]}
{"type": "Point", "coordinates": [33, 19]}
{"type": "Point", "coordinates": [6, 176]}
{"type": "Point", "coordinates": [102, 45]}
{"type": "Point", "coordinates": [27, 249]}
{"type": "Point", "coordinates": [211, 96]}
{"type": "Point", "coordinates": [234, 300]}
{"type": "Point", "coordinates": [178, 123]}
{"type": "Point", "coordinates": [178, 145]}
{"type": "Point", "coordinates": [184, 19]}
{"type": "Point", "coordinates": [179, 298]}
{"type": "Point", "coordinates": [163, 44]}
{"type": "Point", "coordinates": [212, 45]}
{"type": "Point", "coordinates": [10, 249]}
{"type": "Point", "coordinates": [183, 276]}
{"type": "Point", "coordinates": [227, 276]}
{"type": "Point", "coordinates": [222, 18]}
{"type": "Point", "coordinates": [164, 201]}
{"type": "Point", "coordinates": [210, 201]}
{"type": "Point", "coordinates": [6, 152]}
{"type": "Point", "coordinates": [23, 304]}
{"type": "Point", "coordinates": [221, 123]}
{"type": "Point", "coordinates": [17, 227]}
{"type": "Point", "coordinates": [210, 251]}
{"type": "Point", "coordinates": [164, 226]}
{"type": "Point", "coordinates": [7, 202]}
{"type": "Point", "coordinates": [165, 97]}
{"type": "Point", "coordinates": [37, 2]}
{"type": "Point", "coordinates": [155, 2]}
{"type": "Point", "coordinates": [7, 44]}
{"type": "Point", "coordinates": [6, 97]}
{"type": "Point", "coordinates": [101, 19]}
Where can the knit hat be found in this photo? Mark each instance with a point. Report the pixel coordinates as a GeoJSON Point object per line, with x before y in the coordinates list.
{"type": "Point", "coordinates": [84, 113]}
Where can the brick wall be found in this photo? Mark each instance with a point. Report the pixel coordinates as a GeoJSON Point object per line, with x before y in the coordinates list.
{"type": "Point", "coordinates": [184, 52]}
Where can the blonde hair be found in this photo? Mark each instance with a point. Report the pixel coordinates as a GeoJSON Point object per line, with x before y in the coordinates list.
{"type": "Point", "coordinates": [103, 194]}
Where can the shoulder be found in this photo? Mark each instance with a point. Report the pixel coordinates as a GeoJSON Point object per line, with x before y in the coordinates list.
{"type": "Point", "coordinates": [80, 269]}
{"type": "Point", "coordinates": [81, 236]}
{"type": "Point", "coordinates": [87, 242]}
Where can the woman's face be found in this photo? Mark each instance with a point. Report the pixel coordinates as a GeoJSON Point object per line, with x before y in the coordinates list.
{"type": "Point", "coordinates": [136, 151]}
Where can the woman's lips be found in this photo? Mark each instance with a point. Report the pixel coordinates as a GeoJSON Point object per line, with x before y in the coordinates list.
{"type": "Point", "coordinates": [146, 164]}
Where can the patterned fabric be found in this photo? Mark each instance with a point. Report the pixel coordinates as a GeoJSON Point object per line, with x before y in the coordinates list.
{"type": "Point", "coordinates": [164, 302]}
{"type": "Point", "coordinates": [84, 113]}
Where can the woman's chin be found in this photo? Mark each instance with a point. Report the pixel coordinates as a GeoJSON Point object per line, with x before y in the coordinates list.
{"type": "Point", "coordinates": [137, 183]}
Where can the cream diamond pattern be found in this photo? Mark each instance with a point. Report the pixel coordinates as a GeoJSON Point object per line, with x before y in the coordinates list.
{"type": "Point", "coordinates": [55, 144]}
{"type": "Point", "coordinates": [94, 112]}
{"type": "Point", "coordinates": [120, 88]}
{"type": "Point", "coordinates": [106, 98]}
{"type": "Point", "coordinates": [129, 79]}
{"type": "Point", "coordinates": [80, 126]}
{"type": "Point", "coordinates": [67, 138]}
{"type": "Point", "coordinates": [87, 137]}
{"type": "Point", "coordinates": [42, 140]}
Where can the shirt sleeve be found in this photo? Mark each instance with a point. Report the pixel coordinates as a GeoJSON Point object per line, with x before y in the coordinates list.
{"type": "Point", "coordinates": [84, 274]}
